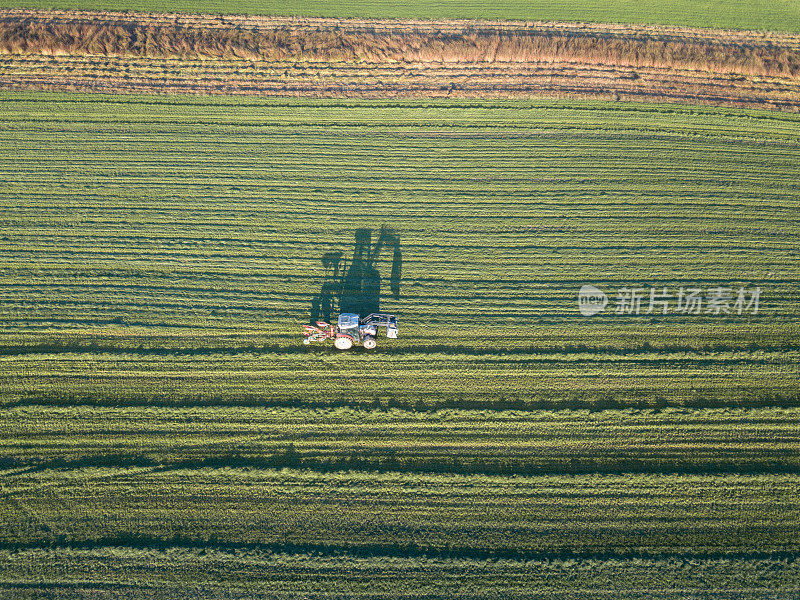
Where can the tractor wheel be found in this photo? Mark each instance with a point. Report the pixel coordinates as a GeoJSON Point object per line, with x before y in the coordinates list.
{"type": "Point", "coordinates": [344, 342]}
{"type": "Point", "coordinates": [370, 342]}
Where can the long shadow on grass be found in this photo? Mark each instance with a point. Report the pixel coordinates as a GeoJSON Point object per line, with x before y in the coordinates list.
{"type": "Point", "coordinates": [354, 286]}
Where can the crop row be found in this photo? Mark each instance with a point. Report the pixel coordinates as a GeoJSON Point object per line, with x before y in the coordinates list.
{"type": "Point", "coordinates": [758, 440]}
{"type": "Point", "coordinates": [522, 516]}
{"type": "Point", "coordinates": [412, 378]}
{"type": "Point", "coordinates": [177, 572]}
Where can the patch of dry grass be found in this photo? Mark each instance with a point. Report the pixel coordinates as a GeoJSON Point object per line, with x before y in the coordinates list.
{"type": "Point", "coordinates": [330, 57]}
{"type": "Point", "coordinates": [386, 42]}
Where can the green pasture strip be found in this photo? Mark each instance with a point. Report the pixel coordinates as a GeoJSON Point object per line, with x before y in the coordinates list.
{"type": "Point", "coordinates": [159, 255]}
{"type": "Point", "coordinates": [651, 515]}
{"type": "Point", "coordinates": [542, 336]}
{"type": "Point", "coordinates": [177, 572]}
{"type": "Point", "coordinates": [781, 15]}
{"type": "Point", "coordinates": [134, 228]}
{"type": "Point", "coordinates": [510, 441]}
{"type": "Point", "coordinates": [422, 380]}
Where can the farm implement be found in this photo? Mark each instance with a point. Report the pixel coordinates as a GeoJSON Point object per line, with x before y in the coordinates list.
{"type": "Point", "coordinates": [353, 290]}
{"type": "Point", "coordinates": [351, 330]}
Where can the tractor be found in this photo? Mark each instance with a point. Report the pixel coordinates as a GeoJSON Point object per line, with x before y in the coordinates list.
{"type": "Point", "coordinates": [355, 289]}
{"type": "Point", "coordinates": [352, 330]}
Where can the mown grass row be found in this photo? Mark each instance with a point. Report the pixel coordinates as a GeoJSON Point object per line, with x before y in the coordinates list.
{"type": "Point", "coordinates": [396, 513]}
{"type": "Point", "coordinates": [420, 380]}
{"type": "Point", "coordinates": [507, 442]}
{"type": "Point", "coordinates": [177, 572]}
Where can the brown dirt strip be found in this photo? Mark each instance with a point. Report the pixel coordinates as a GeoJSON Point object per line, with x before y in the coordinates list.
{"type": "Point", "coordinates": [170, 53]}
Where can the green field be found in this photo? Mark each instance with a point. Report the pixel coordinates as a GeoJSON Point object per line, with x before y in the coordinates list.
{"type": "Point", "coordinates": [777, 15]}
{"type": "Point", "coordinates": [165, 431]}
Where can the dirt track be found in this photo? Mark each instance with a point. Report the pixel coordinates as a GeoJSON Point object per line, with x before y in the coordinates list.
{"type": "Point", "coordinates": [129, 52]}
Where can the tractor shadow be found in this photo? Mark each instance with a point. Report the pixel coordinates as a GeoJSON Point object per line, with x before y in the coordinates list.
{"type": "Point", "coordinates": [354, 285]}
